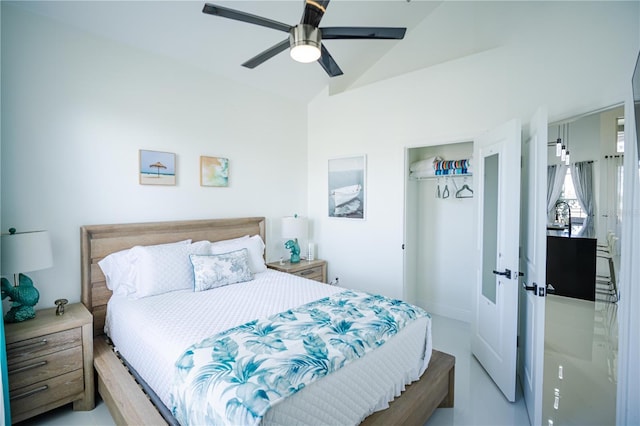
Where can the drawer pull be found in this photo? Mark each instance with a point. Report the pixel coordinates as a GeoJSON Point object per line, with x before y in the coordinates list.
{"type": "Point", "coordinates": [29, 345]}
{"type": "Point", "coordinates": [307, 272]}
{"type": "Point", "coordinates": [29, 393]}
{"type": "Point", "coordinates": [28, 367]}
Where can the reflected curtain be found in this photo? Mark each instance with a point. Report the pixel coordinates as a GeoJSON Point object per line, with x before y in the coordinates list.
{"type": "Point", "coordinates": [555, 182]}
{"type": "Point", "coordinates": [611, 206]}
{"type": "Point", "coordinates": [582, 176]}
{"type": "Point", "coordinates": [628, 392]}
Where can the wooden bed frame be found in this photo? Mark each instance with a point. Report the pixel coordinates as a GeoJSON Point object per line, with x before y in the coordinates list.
{"type": "Point", "coordinates": [126, 400]}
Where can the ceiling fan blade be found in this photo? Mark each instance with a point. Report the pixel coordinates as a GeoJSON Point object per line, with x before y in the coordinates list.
{"type": "Point", "coordinates": [388, 33]}
{"type": "Point", "coordinates": [267, 54]}
{"type": "Point", "coordinates": [313, 12]}
{"type": "Point", "coordinates": [237, 15]}
{"type": "Point", "coordinates": [328, 63]}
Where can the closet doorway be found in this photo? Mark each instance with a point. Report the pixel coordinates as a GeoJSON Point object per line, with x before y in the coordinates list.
{"type": "Point", "coordinates": [581, 336]}
{"type": "Point", "coordinates": [440, 231]}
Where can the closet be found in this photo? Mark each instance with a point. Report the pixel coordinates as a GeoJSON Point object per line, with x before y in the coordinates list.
{"type": "Point", "coordinates": [440, 229]}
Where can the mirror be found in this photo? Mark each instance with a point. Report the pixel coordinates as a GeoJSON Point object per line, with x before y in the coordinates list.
{"type": "Point", "coordinates": [584, 208]}
{"type": "Point", "coordinates": [490, 226]}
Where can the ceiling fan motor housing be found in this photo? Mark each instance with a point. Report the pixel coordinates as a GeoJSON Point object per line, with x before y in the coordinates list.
{"type": "Point", "coordinates": [306, 38]}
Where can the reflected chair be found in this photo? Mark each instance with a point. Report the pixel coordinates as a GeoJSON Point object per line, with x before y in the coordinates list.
{"type": "Point", "coordinates": [607, 252]}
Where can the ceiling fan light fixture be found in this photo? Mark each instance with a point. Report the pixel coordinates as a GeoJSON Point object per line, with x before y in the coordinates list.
{"type": "Point", "coordinates": [305, 53]}
{"type": "Point", "coordinates": [305, 43]}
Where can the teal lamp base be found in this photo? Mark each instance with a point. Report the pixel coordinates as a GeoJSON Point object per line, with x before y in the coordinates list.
{"type": "Point", "coordinates": [24, 297]}
{"type": "Point", "coordinates": [295, 250]}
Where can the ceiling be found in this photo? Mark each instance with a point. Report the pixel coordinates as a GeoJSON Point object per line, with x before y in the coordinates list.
{"type": "Point", "coordinates": [179, 30]}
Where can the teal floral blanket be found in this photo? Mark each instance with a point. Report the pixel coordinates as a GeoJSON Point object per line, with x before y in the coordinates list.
{"type": "Point", "coordinates": [234, 377]}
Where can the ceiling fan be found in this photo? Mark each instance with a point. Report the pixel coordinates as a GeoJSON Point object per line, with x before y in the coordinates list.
{"type": "Point", "coordinates": [305, 38]}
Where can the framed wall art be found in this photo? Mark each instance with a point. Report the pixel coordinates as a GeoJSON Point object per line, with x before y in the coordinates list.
{"type": "Point", "coordinates": [157, 168]}
{"type": "Point", "coordinates": [347, 187]}
{"type": "Point", "coordinates": [214, 171]}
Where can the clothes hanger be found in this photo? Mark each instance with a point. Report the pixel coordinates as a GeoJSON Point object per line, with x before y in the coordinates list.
{"type": "Point", "coordinates": [445, 193]}
{"type": "Point", "coordinates": [461, 192]}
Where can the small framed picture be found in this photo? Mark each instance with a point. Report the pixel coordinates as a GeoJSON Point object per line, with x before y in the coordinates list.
{"type": "Point", "coordinates": [157, 168]}
{"type": "Point", "coordinates": [347, 187]}
{"type": "Point", "coordinates": [214, 171]}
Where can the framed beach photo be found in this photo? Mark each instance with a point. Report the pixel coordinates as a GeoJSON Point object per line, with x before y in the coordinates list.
{"type": "Point", "coordinates": [157, 168]}
{"type": "Point", "coordinates": [347, 187]}
{"type": "Point", "coordinates": [214, 171]}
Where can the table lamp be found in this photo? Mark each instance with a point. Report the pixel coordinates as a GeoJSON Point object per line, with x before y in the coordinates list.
{"type": "Point", "coordinates": [294, 228]}
{"type": "Point", "coordinates": [23, 252]}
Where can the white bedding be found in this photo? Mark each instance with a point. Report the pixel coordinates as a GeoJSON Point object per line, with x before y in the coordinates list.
{"type": "Point", "coordinates": [151, 333]}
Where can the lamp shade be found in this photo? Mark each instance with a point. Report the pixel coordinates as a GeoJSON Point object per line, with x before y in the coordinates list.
{"type": "Point", "coordinates": [294, 227]}
{"type": "Point", "coordinates": [26, 252]}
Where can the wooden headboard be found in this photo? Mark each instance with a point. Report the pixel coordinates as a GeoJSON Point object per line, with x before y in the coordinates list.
{"type": "Point", "coordinates": [98, 241]}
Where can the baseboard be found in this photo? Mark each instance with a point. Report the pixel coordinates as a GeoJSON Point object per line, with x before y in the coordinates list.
{"type": "Point", "coordinates": [446, 311]}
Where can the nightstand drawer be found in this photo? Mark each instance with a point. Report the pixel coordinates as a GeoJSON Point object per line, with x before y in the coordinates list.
{"type": "Point", "coordinates": [24, 350]}
{"type": "Point", "coordinates": [311, 273]}
{"type": "Point", "coordinates": [310, 269]}
{"type": "Point", "coordinates": [65, 387]}
{"type": "Point", "coordinates": [50, 362]}
{"type": "Point", "coordinates": [45, 367]}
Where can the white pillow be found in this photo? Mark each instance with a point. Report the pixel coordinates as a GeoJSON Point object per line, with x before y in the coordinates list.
{"type": "Point", "coordinates": [161, 269]}
{"type": "Point", "coordinates": [254, 245]}
{"type": "Point", "coordinates": [119, 270]}
{"type": "Point", "coordinates": [229, 243]}
{"type": "Point", "coordinates": [217, 270]}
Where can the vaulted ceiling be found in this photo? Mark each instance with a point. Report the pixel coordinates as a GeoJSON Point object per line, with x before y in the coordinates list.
{"type": "Point", "coordinates": [179, 30]}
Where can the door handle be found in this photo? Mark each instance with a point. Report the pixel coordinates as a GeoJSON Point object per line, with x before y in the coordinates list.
{"type": "Point", "coordinates": [506, 273]}
{"type": "Point", "coordinates": [539, 291]}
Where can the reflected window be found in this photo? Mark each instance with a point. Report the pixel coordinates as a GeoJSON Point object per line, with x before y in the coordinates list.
{"type": "Point", "coordinates": [568, 195]}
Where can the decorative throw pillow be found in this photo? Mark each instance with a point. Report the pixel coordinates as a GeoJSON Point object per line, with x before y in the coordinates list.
{"type": "Point", "coordinates": [217, 270]}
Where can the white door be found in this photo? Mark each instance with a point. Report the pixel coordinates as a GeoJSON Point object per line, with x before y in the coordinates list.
{"type": "Point", "coordinates": [533, 263]}
{"type": "Point", "coordinates": [495, 320]}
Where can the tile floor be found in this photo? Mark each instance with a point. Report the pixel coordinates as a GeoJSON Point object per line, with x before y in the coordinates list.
{"type": "Point", "coordinates": [580, 375]}
{"type": "Point", "coordinates": [477, 400]}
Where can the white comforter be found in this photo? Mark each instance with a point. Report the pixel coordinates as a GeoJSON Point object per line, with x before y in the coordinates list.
{"type": "Point", "coordinates": [151, 333]}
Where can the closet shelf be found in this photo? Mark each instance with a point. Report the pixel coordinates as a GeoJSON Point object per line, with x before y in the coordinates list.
{"type": "Point", "coordinates": [440, 177]}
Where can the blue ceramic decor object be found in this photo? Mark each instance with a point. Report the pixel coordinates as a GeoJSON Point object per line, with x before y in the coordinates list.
{"type": "Point", "coordinates": [24, 297]}
{"type": "Point", "coordinates": [295, 250]}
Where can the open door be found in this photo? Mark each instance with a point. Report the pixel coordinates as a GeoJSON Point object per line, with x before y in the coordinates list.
{"type": "Point", "coordinates": [533, 263]}
{"type": "Point", "coordinates": [495, 320]}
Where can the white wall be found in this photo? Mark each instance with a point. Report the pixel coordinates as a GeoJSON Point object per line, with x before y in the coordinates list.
{"type": "Point", "coordinates": [572, 57]}
{"type": "Point", "coordinates": [76, 110]}
{"type": "Point", "coordinates": [442, 239]}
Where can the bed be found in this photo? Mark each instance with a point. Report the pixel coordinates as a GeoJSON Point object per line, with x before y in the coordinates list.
{"type": "Point", "coordinates": [126, 398]}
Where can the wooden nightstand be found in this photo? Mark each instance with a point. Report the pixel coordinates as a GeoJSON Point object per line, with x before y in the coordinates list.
{"type": "Point", "coordinates": [50, 362]}
{"type": "Point", "coordinates": [311, 269]}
